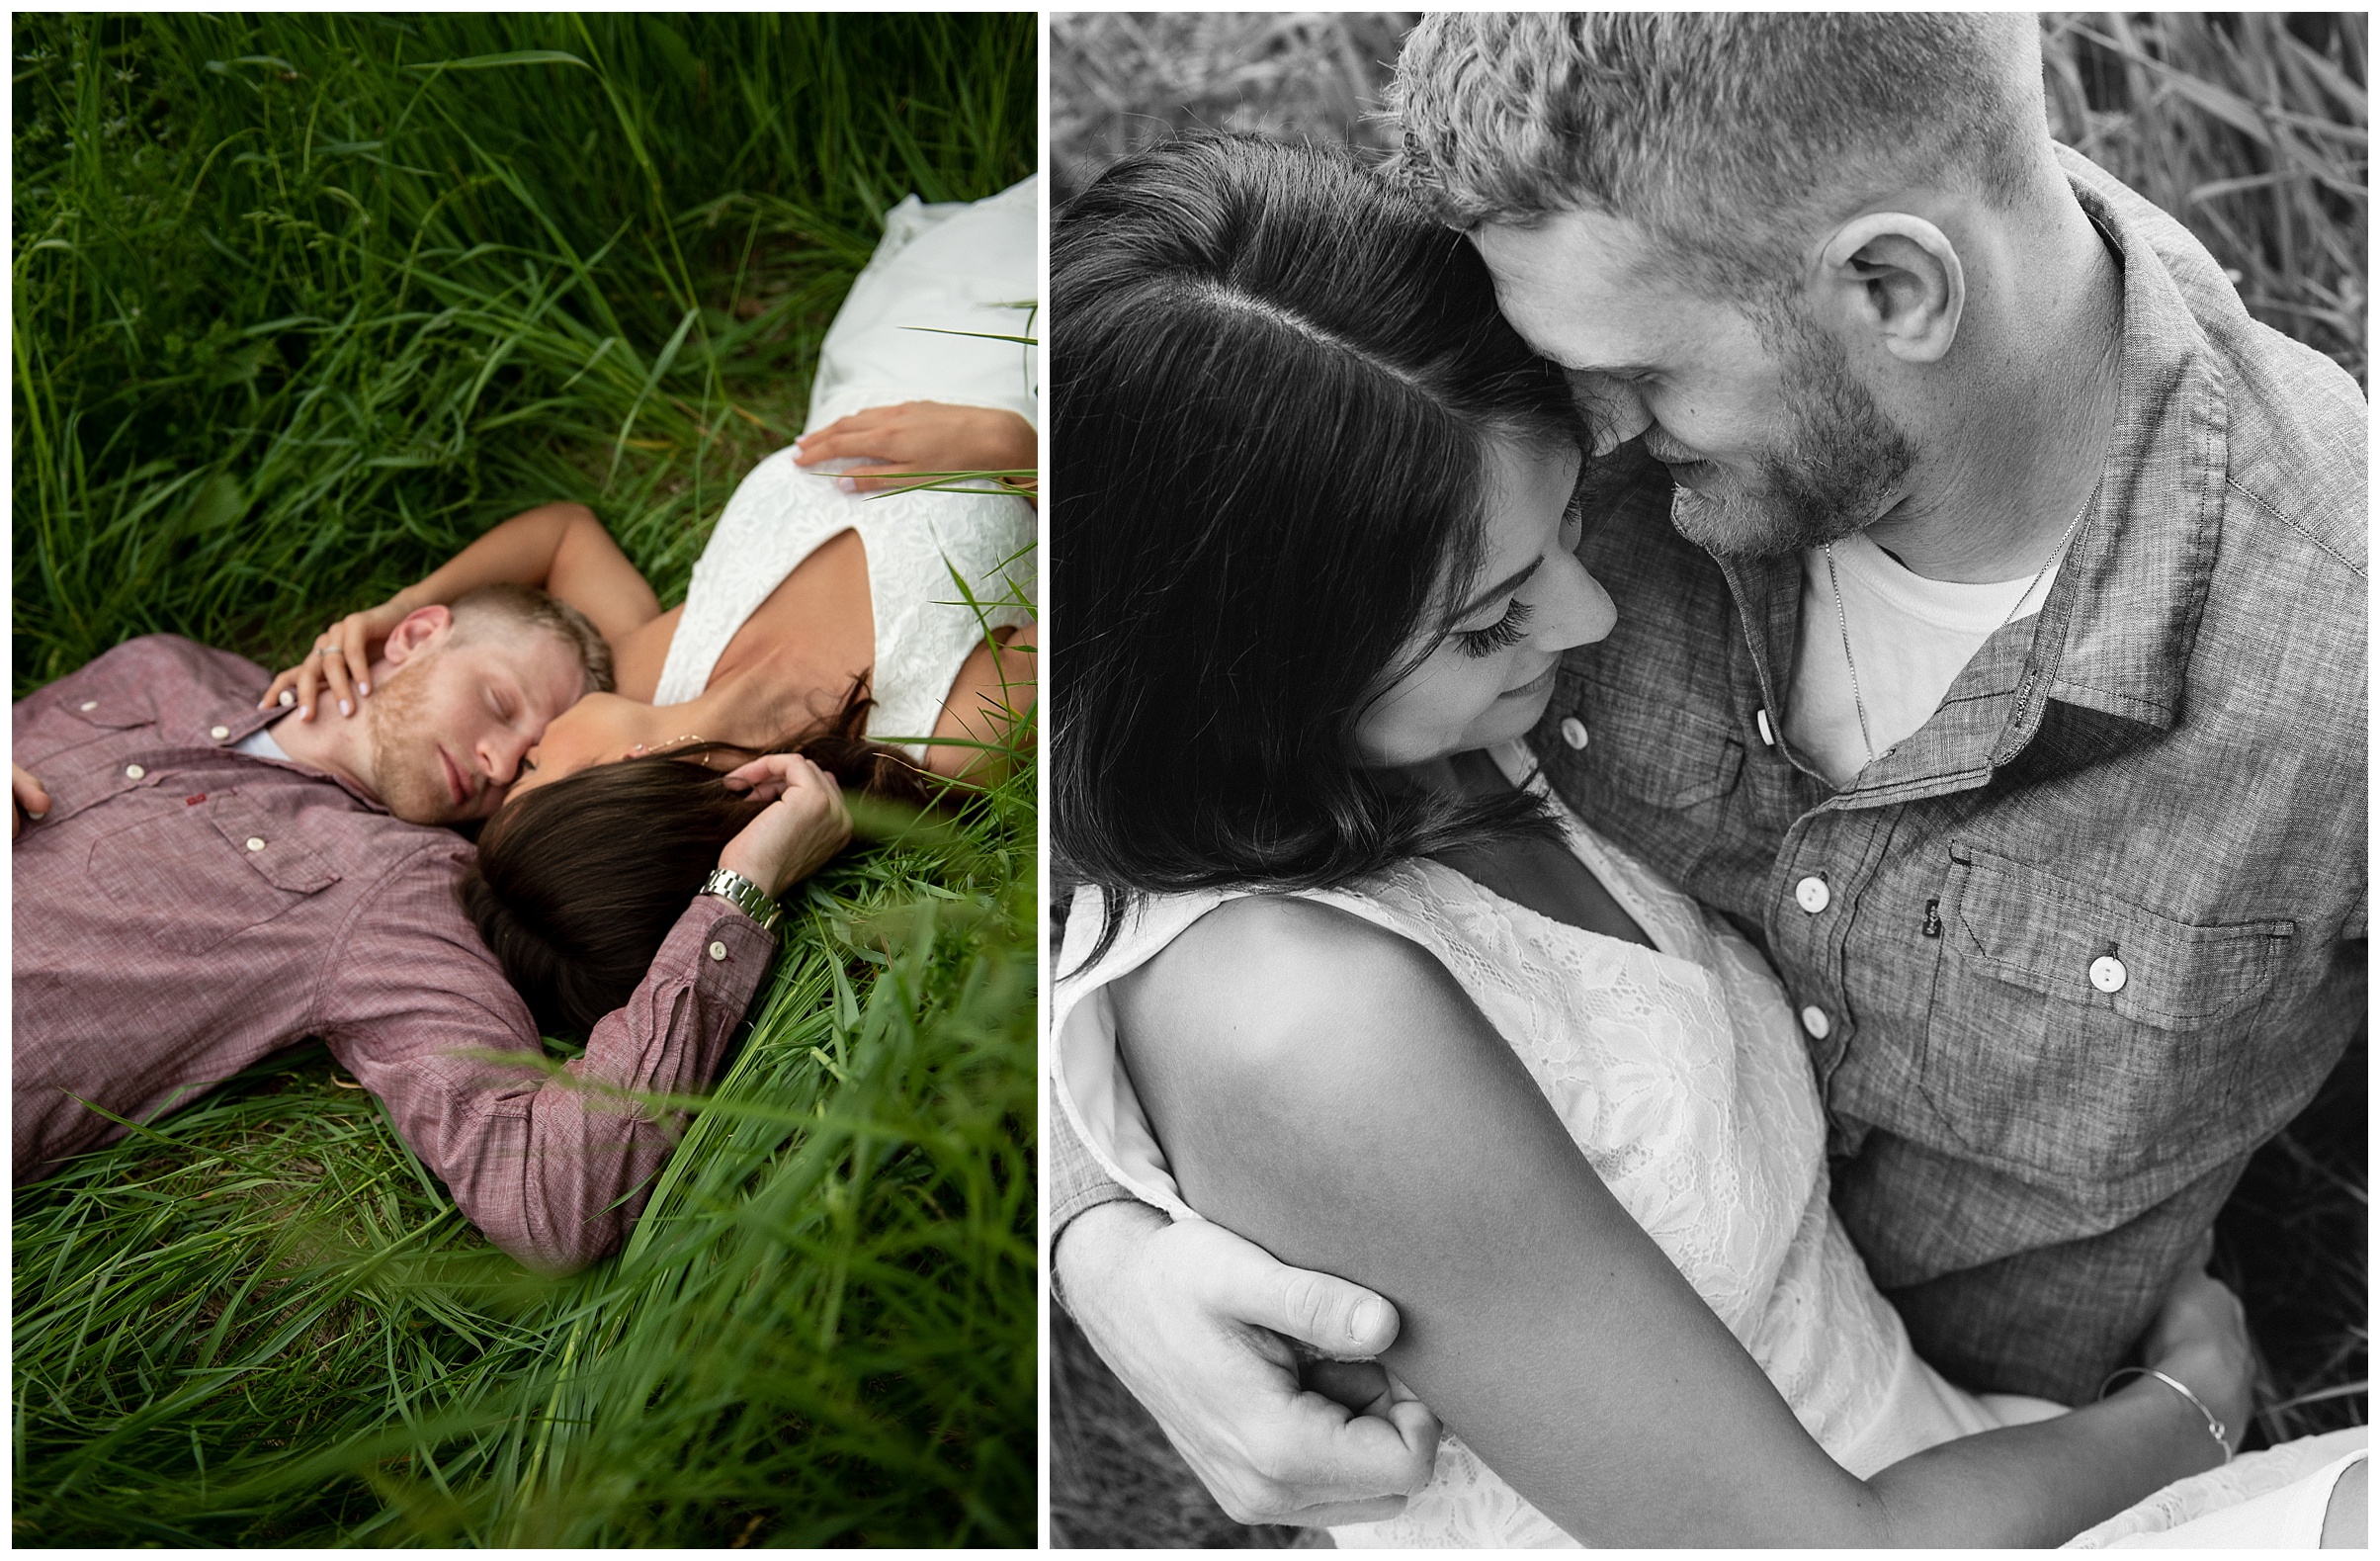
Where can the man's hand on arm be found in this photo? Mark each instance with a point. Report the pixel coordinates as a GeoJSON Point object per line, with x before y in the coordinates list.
{"type": "Point", "coordinates": [27, 800]}
{"type": "Point", "coordinates": [1191, 1318]}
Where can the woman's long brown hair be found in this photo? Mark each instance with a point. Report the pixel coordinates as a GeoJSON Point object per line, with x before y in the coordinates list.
{"type": "Point", "coordinates": [580, 881]}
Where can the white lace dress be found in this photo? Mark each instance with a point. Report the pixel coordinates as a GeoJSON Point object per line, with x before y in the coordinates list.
{"type": "Point", "coordinates": [943, 568]}
{"type": "Point", "coordinates": [1681, 1075]}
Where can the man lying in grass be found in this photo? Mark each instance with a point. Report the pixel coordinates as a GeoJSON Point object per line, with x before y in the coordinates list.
{"type": "Point", "coordinates": [201, 882]}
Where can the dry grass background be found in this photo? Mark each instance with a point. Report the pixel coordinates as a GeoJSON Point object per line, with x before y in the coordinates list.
{"type": "Point", "coordinates": [2249, 128]}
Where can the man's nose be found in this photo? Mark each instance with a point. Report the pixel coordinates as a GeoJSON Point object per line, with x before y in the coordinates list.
{"type": "Point", "coordinates": [1613, 410]}
{"type": "Point", "coordinates": [500, 755]}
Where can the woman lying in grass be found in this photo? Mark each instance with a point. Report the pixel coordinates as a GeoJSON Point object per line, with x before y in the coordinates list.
{"type": "Point", "coordinates": [886, 636]}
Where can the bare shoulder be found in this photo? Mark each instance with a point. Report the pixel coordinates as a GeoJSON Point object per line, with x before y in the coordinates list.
{"type": "Point", "coordinates": [1270, 985]}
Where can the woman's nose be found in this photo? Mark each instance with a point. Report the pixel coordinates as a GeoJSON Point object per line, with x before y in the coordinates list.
{"type": "Point", "coordinates": [1578, 611]}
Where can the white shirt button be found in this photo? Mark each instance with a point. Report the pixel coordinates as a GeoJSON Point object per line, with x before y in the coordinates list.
{"type": "Point", "coordinates": [90, 705]}
{"type": "Point", "coordinates": [719, 951]}
{"type": "Point", "coordinates": [218, 732]}
{"type": "Point", "coordinates": [2107, 973]}
{"type": "Point", "coordinates": [255, 844]}
{"type": "Point", "coordinates": [1573, 732]}
{"type": "Point", "coordinates": [1812, 894]}
{"type": "Point", "coordinates": [1813, 1019]}
{"type": "Point", "coordinates": [134, 772]}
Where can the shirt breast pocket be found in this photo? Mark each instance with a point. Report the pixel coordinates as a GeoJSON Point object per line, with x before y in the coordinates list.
{"type": "Point", "coordinates": [190, 875]}
{"type": "Point", "coordinates": [1649, 773]}
{"type": "Point", "coordinates": [2078, 1036]}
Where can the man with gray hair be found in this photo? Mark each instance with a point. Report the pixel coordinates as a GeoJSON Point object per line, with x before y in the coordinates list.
{"type": "Point", "coordinates": [1991, 652]}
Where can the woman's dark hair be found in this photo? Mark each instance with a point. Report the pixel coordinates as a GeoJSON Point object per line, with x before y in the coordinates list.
{"type": "Point", "coordinates": [580, 881]}
{"type": "Point", "coordinates": [1277, 381]}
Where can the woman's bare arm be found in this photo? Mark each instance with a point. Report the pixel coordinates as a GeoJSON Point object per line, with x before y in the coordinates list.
{"type": "Point", "coordinates": [561, 549]}
{"type": "Point", "coordinates": [1326, 1090]}
{"type": "Point", "coordinates": [975, 736]}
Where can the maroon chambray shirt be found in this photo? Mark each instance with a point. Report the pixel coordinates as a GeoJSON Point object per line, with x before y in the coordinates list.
{"type": "Point", "coordinates": [186, 909]}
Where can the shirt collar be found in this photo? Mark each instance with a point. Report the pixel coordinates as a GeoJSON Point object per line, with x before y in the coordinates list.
{"type": "Point", "coordinates": [241, 721]}
{"type": "Point", "coordinates": [2116, 634]}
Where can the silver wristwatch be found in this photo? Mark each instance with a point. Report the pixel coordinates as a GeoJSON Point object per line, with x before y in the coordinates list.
{"type": "Point", "coordinates": [746, 895]}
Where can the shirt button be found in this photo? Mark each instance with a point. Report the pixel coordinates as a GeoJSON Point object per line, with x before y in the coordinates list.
{"type": "Point", "coordinates": [218, 732]}
{"type": "Point", "coordinates": [1812, 894]}
{"type": "Point", "coordinates": [255, 844]}
{"type": "Point", "coordinates": [2107, 973]}
{"type": "Point", "coordinates": [1573, 732]}
{"type": "Point", "coordinates": [1813, 1019]}
{"type": "Point", "coordinates": [134, 772]}
{"type": "Point", "coordinates": [719, 951]}
{"type": "Point", "coordinates": [90, 705]}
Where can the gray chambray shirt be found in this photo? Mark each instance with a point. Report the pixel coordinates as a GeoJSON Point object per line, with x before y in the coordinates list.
{"type": "Point", "coordinates": [2097, 929]}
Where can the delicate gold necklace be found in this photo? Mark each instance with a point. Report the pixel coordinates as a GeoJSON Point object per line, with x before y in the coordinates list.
{"type": "Point", "coordinates": [690, 736]}
{"type": "Point", "coordinates": [1843, 621]}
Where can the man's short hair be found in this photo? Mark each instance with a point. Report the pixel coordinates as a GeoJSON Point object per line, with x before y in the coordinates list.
{"type": "Point", "coordinates": [516, 607]}
{"type": "Point", "coordinates": [1726, 137]}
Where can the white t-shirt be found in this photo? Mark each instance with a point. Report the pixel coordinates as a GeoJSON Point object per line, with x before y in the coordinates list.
{"type": "Point", "coordinates": [263, 745]}
{"type": "Point", "coordinates": [1911, 636]}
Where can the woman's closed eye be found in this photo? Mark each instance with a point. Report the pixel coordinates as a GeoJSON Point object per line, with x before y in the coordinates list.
{"type": "Point", "coordinates": [1501, 635]}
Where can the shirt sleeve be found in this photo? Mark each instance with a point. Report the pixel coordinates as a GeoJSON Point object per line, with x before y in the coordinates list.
{"type": "Point", "coordinates": [1076, 1181]}
{"type": "Point", "coordinates": [552, 1166]}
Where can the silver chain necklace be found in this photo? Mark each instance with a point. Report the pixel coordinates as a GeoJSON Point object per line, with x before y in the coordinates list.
{"type": "Point", "coordinates": [1843, 621]}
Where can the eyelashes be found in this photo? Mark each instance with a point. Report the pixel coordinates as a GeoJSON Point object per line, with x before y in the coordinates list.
{"type": "Point", "coordinates": [1508, 631]}
{"type": "Point", "coordinates": [1501, 635]}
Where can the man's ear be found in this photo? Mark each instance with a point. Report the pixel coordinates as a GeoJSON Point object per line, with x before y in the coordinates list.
{"type": "Point", "coordinates": [415, 633]}
{"type": "Point", "coordinates": [1898, 278]}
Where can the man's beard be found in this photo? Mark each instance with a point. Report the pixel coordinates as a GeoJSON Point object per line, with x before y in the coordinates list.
{"type": "Point", "coordinates": [406, 771]}
{"type": "Point", "coordinates": [1840, 460]}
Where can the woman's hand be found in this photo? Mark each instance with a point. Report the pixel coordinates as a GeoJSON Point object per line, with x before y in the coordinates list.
{"type": "Point", "coordinates": [28, 798]}
{"type": "Point", "coordinates": [341, 662]}
{"type": "Point", "coordinates": [922, 436]}
{"type": "Point", "coordinates": [804, 827]}
{"type": "Point", "coordinates": [2200, 1338]}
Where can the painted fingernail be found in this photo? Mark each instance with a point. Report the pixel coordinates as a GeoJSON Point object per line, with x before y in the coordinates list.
{"type": "Point", "coordinates": [346, 709]}
{"type": "Point", "coordinates": [363, 690]}
{"type": "Point", "coordinates": [30, 814]}
{"type": "Point", "coordinates": [847, 484]}
{"type": "Point", "coordinates": [306, 712]}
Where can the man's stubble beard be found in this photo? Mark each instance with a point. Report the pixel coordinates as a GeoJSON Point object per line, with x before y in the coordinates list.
{"type": "Point", "coordinates": [402, 763]}
{"type": "Point", "coordinates": [1841, 460]}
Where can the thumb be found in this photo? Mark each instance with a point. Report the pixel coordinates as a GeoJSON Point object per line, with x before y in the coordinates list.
{"type": "Point", "coordinates": [1335, 1316]}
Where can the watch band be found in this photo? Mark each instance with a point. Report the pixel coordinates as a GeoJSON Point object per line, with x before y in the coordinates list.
{"type": "Point", "coordinates": [746, 895]}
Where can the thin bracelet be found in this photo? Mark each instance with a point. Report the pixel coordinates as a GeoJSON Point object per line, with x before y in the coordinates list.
{"type": "Point", "coordinates": [2214, 1426]}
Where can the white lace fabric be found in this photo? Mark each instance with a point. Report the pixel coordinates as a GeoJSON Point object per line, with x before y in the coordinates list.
{"type": "Point", "coordinates": [919, 548]}
{"type": "Point", "coordinates": [944, 568]}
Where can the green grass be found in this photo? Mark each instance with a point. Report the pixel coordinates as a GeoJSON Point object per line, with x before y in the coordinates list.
{"type": "Point", "coordinates": [2251, 130]}
{"type": "Point", "coordinates": [302, 305]}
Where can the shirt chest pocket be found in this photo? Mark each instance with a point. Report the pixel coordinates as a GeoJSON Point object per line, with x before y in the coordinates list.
{"type": "Point", "coordinates": [191, 874]}
{"type": "Point", "coordinates": [1653, 775]}
{"type": "Point", "coordinates": [2076, 1034]}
